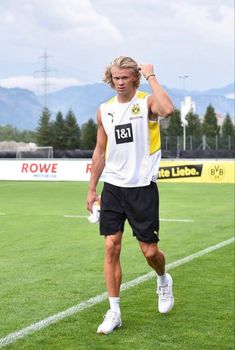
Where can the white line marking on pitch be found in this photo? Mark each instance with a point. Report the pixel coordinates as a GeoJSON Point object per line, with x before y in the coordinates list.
{"type": "Point", "coordinates": [167, 220]}
{"type": "Point", "coordinates": [13, 337]}
{"type": "Point", "coordinates": [76, 216]}
{"type": "Point", "coordinates": [177, 220]}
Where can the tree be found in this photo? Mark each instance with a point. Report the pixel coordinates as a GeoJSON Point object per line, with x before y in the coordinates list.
{"type": "Point", "coordinates": [27, 136]}
{"type": "Point", "coordinates": [72, 131]}
{"type": "Point", "coordinates": [210, 125]}
{"type": "Point", "coordinates": [59, 132]}
{"type": "Point", "coordinates": [228, 133]}
{"type": "Point", "coordinates": [175, 126]}
{"type": "Point", "coordinates": [43, 135]}
{"type": "Point", "coordinates": [89, 132]}
{"type": "Point", "coordinates": [194, 127]}
{"type": "Point", "coordinates": [10, 133]}
{"type": "Point", "coordinates": [227, 127]}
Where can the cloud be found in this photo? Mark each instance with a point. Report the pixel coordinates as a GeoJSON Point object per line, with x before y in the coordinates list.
{"type": "Point", "coordinates": [82, 36]}
{"type": "Point", "coordinates": [37, 22]}
{"type": "Point", "coordinates": [37, 84]}
{"type": "Point", "coordinates": [74, 32]}
{"type": "Point", "coordinates": [212, 22]}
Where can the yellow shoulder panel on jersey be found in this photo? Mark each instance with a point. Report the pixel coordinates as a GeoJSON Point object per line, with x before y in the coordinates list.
{"type": "Point", "coordinates": [154, 136]}
{"type": "Point", "coordinates": [111, 100]}
{"type": "Point", "coordinates": [142, 94]}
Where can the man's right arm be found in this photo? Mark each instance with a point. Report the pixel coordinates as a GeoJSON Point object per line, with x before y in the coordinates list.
{"type": "Point", "coordinates": [98, 162]}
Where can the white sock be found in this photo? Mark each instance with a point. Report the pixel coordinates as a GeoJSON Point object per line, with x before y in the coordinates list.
{"type": "Point", "coordinates": [162, 280]}
{"type": "Point", "coordinates": [115, 304]}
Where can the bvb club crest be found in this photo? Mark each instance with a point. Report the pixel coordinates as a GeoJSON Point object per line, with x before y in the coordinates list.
{"type": "Point", "coordinates": [135, 109]}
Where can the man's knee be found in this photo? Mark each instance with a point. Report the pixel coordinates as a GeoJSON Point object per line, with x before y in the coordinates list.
{"type": "Point", "coordinates": [150, 254]}
{"type": "Point", "coordinates": [112, 246]}
{"type": "Point", "coordinates": [150, 251]}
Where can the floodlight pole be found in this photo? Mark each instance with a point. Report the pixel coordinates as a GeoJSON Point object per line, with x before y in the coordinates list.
{"type": "Point", "coordinates": [184, 137]}
{"type": "Point", "coordinates": [184, 77]}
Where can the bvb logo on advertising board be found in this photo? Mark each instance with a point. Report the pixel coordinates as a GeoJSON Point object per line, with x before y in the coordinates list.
{"type": "Point", "coordinates": [216, 172]}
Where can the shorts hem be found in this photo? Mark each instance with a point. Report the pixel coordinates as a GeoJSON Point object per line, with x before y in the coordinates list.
{"type": "Point", "coordinates": [148, 241]}
{"type": "Point", "coordinates": [111, 233]}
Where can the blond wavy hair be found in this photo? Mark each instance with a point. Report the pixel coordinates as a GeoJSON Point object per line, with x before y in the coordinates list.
{"type": "Point", "coordinates": [122, 62]}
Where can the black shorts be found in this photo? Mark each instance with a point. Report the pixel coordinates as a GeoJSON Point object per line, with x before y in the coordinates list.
{"type": "Point", "coordinates": [139, 205]}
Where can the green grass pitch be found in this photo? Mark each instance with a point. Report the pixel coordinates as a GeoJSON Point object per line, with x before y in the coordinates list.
{"type": "Point", "coordinates": [49, 263]}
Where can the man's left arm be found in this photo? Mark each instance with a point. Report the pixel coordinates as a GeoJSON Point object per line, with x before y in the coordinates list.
{"type": "Point", "coordinates": [159, 102]}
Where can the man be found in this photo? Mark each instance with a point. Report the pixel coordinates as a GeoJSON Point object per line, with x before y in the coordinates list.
{"type": "Point", "coordinates": [128, 150]}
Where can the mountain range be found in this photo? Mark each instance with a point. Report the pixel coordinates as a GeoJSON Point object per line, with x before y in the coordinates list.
{"type": "Point", "coordinates": [22, 108]}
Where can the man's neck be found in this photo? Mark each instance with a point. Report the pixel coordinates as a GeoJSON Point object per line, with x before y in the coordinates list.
{"type": "Point", "coordinates": [126, 98]}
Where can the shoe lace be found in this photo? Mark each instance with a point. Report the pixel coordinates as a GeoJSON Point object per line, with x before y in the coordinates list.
{"type": "Point", "coordinates": [163, 292]}
{"type": "Point", "coordinates": [110, 316]}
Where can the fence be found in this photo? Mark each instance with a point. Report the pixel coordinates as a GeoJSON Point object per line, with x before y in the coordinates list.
{"type": "Point", "coordinates": [172, 147]}
{"type": "Point", "coordinates": [176, 143]}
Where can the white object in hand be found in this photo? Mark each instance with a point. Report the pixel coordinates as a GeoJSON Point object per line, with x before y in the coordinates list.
{"type": "Point", "coordinates": [94, 217]}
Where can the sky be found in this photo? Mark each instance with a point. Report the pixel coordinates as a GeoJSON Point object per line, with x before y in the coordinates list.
{"type": "Point", "coordinates": [81, 37]}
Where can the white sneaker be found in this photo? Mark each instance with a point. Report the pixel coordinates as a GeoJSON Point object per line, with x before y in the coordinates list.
{"type": "Point", "coordinates": [165, 296]}
{"type": "Point", "coordinates": [112, 320]}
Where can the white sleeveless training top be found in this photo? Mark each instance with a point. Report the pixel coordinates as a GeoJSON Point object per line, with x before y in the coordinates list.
{"type": "Point", "coordinates": [133, 150]}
